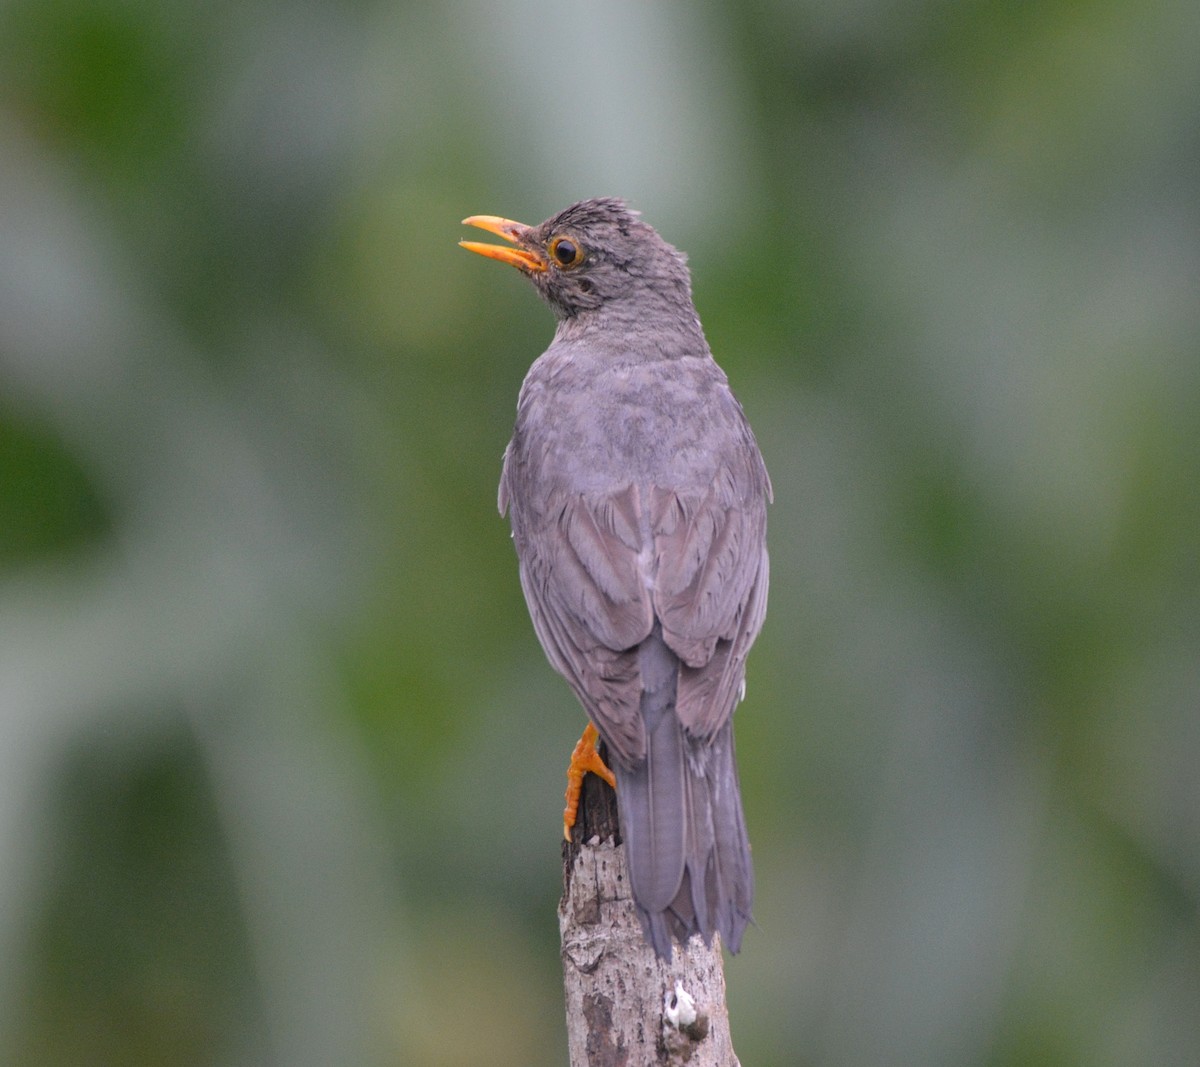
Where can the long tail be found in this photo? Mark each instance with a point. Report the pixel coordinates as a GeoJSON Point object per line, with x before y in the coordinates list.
{"type": "Point", "coordinates": [681, 820]}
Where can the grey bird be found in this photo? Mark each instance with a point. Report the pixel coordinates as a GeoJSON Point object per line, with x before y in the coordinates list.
{"type": "Point", "coordinates": [638, 501]}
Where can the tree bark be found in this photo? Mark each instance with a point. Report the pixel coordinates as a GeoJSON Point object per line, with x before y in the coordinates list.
{"type": "Point", "coordinates": [625, 1006]}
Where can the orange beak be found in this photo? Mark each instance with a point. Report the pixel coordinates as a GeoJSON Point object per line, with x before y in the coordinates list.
{"type": "Point", "coordinates": [521, 258]}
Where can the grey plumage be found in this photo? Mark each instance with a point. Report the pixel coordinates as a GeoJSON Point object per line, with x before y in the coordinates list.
{"type": "Point", "coordinates": [637, 497]}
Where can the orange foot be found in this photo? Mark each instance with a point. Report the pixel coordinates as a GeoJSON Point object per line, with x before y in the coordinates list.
{"type": "Point", "coordinates": [585, 758]}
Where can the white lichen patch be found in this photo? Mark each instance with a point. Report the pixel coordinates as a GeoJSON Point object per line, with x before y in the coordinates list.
{"type": "Point", "coordinates": [679, 1007]}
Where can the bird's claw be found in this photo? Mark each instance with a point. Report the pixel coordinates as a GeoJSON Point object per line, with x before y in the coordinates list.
{"type": "Point", "coordinates": [583, 759]}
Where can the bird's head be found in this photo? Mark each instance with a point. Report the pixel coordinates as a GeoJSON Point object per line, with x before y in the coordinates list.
{"type": "Point", "coordinates": [595, 254]}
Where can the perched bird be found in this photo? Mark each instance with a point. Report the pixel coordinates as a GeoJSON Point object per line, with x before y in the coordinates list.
{"type": "Point", "coordinates": [638, 499]}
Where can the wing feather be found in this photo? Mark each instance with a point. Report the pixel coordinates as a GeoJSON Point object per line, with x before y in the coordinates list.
{"type": "Point", "coordinates": [594, 591]}
{"type": "Point", "coordinates": [711, 587]}
{"type": "Point", "coordinates": [590, 604]}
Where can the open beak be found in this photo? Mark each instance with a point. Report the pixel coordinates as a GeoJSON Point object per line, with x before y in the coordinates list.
{"type": "Point", "coordinates": [521, 258]}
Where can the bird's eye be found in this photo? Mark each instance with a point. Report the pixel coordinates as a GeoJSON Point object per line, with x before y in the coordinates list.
{"type": "Point", "coordinates": [566, 252]}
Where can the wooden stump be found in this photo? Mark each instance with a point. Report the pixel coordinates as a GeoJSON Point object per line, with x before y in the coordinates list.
{"type": "Point", "coordinates": [625, 1006]}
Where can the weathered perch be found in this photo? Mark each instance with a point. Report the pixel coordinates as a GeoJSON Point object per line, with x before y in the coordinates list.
{"type": "Point", "coordinates": [625, 1006]}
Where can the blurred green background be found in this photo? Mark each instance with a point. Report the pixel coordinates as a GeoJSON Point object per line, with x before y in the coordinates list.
{"type": "Point", "coordinates": [280, 758]}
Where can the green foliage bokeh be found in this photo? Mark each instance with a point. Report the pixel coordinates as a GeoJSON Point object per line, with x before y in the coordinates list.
{"type": "Point", "coordinates": [280, 759]}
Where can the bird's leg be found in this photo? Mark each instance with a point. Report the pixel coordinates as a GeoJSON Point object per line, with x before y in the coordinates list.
{"type": "Point", "coordinates": [585, 758]}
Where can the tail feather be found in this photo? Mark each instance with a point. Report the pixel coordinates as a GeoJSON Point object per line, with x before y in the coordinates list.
{"type": "Point", "coordinates": [655, 795]}
{"type": "Point", "coordinates": [730, 879]}
{"type": "Point", "coordinates": [681, 820]}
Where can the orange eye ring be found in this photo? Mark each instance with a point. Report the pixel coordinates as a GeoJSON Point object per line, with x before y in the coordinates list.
{"type": "Point", "coordinates": [565, 252]}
